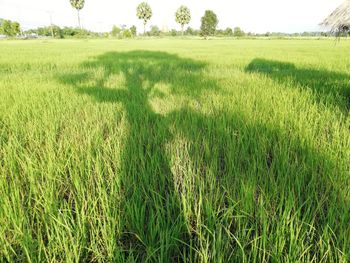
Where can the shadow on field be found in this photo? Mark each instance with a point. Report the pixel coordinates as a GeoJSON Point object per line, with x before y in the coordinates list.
{"type": "Point", "coordinates": [243, 186]}
{"type": "Point", "coordinates": [326, 85]}
{"type": "Point", "coordinates": [152, 217]}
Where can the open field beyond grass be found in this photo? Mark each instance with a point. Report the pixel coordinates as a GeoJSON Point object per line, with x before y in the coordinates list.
{"type": "Point", "coordinates": [175, 151]}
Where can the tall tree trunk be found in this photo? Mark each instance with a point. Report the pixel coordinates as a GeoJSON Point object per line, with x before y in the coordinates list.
{"type": "Point", "coordinates": [182, 30]}
{"type": "Point", "coordinates": [52, 34]}
{"type": "Point", "coordinates": [144, 28]}
{"type": "Point", "coordinates": [51, 27]}
{"type": "Point", "coordinates": [79, 18]}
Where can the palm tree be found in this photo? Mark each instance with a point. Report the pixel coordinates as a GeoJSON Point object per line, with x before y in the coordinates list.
{"type": "Point", "coordinates": [78, 5]}
{"type": "Point", "coordinates": [183, 17]}
{"type": "Point", "coordinates": [144, 12]}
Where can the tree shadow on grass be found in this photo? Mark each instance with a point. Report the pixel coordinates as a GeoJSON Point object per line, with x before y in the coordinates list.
{"type": "Point", "coordinates": [281, 187]}
{"type": "Point", "coordinates": [153, 221]}
{"type": "Point", "coordinates": [330, 88]}
{"type": "Point", "coordinates": [246, 184]}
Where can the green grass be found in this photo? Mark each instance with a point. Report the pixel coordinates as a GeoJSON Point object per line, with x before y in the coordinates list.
{"type": "Point", "coordinates": [175, 151]}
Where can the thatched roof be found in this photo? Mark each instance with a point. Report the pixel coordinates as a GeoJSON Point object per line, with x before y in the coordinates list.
{"type": "Point", "coordinates": [339, 20]}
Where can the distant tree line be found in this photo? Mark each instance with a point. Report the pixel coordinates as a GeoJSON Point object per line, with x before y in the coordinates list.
{"type": "Point", "coordinates": [65, 32]}
{"type": "Point", "coordinates": [123, 32]}
{"type": "Point", "coordinates": [228, 32]}
{"type": "Point", "coordinates": [208, 27]}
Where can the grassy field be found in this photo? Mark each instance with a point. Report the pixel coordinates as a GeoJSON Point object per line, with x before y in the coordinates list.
{"type": "Point", "coordinates": [175, 151]}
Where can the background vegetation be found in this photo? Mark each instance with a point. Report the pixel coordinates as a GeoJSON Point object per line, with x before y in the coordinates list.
{"type": "Point", "coordinates": [182, 16]}
{"type": "Point", "coordinates": [9, 28]}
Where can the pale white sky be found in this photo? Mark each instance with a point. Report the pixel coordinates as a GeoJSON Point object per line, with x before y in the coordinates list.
{"type": "Point", "coordinates": [99, 15]}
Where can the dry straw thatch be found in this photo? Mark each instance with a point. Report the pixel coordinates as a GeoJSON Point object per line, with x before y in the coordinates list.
{"type": "Point", "coordinates": [339, 19]}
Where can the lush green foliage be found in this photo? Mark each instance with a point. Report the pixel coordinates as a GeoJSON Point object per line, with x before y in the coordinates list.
{"type": "Point", "coordinates": [183, 16]}
{"type": "Point", "coordinates": [116, 31]}
{"type": "Point", "coordinates": [123, 32]}
{"type": "Point", "coordinates": [127, 33]}
{"type": "Point", "coordinates": [9, 28]}
{"type": "Point", "coordinates": [238, 32]}
{"type": "Point", "coordinates": [48, 31]}
{"type": "Point", "coordinates": [155, 31]}
{"type": "Point", "coordinates": [77, 4]}
{"type": "Point", "coordinates": [209, 23]}
{"type": "Point", "coordinates": [144, 12]}
{"type": "Point", "coordinates": [174, 151]}
{"type": "Point", "coordinates": [228, 32]}
{"type": "Point", "coordinates": [133, 31]}
{"type": "Point", "coordinates": [191, 32]}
